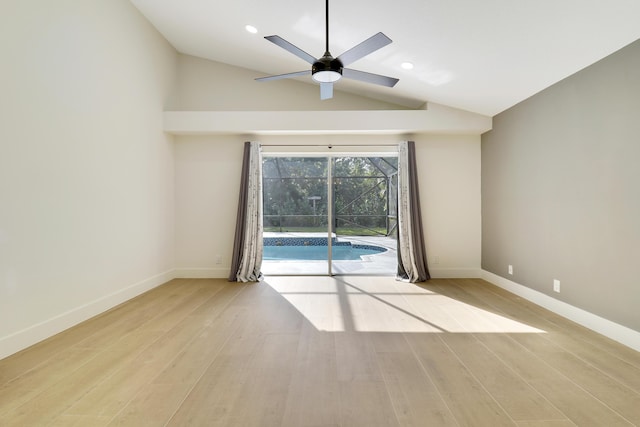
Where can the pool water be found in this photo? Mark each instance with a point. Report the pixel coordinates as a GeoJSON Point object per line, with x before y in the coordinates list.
{"type": "Point", "coordinates": [319, 253]}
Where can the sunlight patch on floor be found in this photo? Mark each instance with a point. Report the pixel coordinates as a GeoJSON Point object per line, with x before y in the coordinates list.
{"type": "Point", "coordinates": [382, 304]}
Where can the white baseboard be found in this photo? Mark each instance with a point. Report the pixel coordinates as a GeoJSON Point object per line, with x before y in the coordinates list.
{"type": "Point", "coordinates": [612, 330]}
{"type": "Point", "coordinates": [223, 273]}
{"type": "Point", "coordinates": [201, 273]}
{"type": "Point", "coordinates": [27, 337]}
{"type": "Point", "coordinates": [455, 273]}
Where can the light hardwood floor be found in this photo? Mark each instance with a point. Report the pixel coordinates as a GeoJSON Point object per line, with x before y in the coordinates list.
{"type": "Point", "coordinates": [320, 351]}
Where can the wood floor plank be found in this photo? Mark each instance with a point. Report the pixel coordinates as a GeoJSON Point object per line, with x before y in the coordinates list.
{"type": "Point", "coordinates": [507, 304]}
{"type": "Point", "coordinates": [578, 405]}
{"type": "Point", "coordinates": [519, 399]}
{"type": "Point", "coordinates": [265, 396]}
{"type": "Point", "coordinates": [79, 421]}
{"type": "Point", "coordinates": [469, 402]}
{"type": "Point", "coordinates": [622, 371]}
{"type": "Point", "coordinates": [221, 390]}
{"type": "Point", "coordinates": [128, 317]}
{"type": "Point", "coordinates": [153, 405]}
{"type": "Point", "coordinates": [159, 348]}
{"type": "Point", "coordinates": [263, 391]}
{"type": "Point", "coordinates": [270, 311]}
{"type": "Point", "coordinates": [52, 401]}
{"type": "Point", "coordinates": [415, 398]}
{"type": "Point", "coordinates": [549, 423]}
{"type": "Point", "coordinates": [436, 311]}
{"type": "Point", "coordinates": [178, 378]}
{"type": "Point", "coordinates": [445, 370]}
{"type": "Point", "coordinates": [109, 397]}
{"type": "Point", "coordinates": [166, 320]}
{"type": "Point", "coordinates": [314, 392]}
{"type": "Point", "coordinates": [27, 386]}
{"type": "Point", "coordinates": [615, 394]}
{"type": "Point", "coordinates": [366, 404]}
{"type": "Point", "coordinates": [356, 357]}
{"type": "Point", "coordinates": [216, 394]}
{"type": "Point", "coordinates": [195, 358]}
{"type": "Point", "coordinates": [368, 311]}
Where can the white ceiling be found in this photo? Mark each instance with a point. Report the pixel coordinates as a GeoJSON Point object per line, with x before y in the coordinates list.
{"type": "Point", "coordinates": [482, 56]}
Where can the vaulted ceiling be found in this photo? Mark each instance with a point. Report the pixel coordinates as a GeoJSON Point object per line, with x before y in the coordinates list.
{"type": "Point", "coordinates": [481, 56]}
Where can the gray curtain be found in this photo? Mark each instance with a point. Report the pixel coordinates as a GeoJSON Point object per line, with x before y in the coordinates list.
{"type": "Point", "coordinates": [412, 257]}
{"type": "Point", "coordinates": [247, 245]}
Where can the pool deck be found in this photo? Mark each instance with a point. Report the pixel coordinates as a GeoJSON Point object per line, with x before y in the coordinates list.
{"type": "Point", "coordinates": [384, 264]}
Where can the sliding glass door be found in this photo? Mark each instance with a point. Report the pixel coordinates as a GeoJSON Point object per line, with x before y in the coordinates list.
{"type": "Point", "coordinates": [329, 214]}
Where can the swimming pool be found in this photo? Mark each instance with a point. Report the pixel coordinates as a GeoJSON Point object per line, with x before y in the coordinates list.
{"type": "Point", "coordinates": [315, 249]}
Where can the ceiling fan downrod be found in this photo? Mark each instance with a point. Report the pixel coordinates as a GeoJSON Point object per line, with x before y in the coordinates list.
{"type": "Point", "coordinates": [326, 26]}
{"type": "Point", "coordinates": [326, 69]}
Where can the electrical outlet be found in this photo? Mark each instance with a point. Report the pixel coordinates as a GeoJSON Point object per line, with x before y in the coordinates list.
{"type": "Point", "coordinates": [556, 285]}
{"type": "Point", "coordinates": [510, 269]}
{"type": "Point", "coordinates": [436, 259]}
{"type": "Point", "coordinates": [218, 259]}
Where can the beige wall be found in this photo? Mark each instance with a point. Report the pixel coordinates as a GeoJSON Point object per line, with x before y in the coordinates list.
{"type": "Point", "coordinates": [86, 173]}
{"type": "Point", "coordinates": [207, 180]}
{"type": "Point", "coordinates": [561, 190]}
{"type": "Point", "coordinates": [204, 85]}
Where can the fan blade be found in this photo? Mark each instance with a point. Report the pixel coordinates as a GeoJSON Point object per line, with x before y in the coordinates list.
{"type": "Point", "coordinates": [369, 77]}
{"type": "Point", "coordinates": [284, 76]}
{"type": "Point", "coordinates": [326, 90]}
{"type": "Point", "coordinates": [291, 48]}
{"type": "Point", "coordinates": [368, 46]}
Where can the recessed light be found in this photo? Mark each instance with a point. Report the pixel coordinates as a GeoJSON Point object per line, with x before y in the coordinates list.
{"type": "Point", "coordinates": [407, 65]}
{"type": "Point", "coordinates": [251, 29]}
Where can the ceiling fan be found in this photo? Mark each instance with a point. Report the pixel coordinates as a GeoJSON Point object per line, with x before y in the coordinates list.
{"type": "Point", "coordinates": [327, 69]}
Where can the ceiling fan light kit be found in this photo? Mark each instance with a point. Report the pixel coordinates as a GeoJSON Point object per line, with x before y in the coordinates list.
{"type": "Point", "coordinates": [327, 69]}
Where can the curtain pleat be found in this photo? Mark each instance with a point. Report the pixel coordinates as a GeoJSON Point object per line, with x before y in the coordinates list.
{"type": "Point", "coordinates": [247, 246]}
{"type": "Point", "coordinates": [412, 258]}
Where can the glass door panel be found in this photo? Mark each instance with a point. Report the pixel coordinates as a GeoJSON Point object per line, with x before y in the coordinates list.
{"type": "Point", "coordinates": [364, 215]}
{"type": "Point", "coordinates": [295, 219]}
